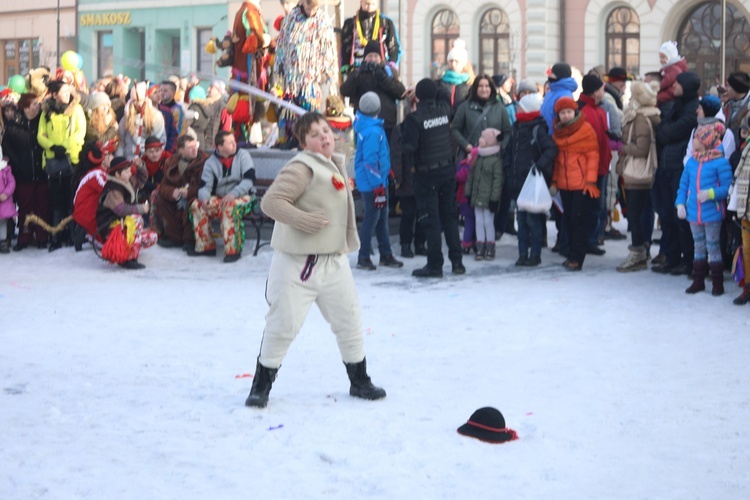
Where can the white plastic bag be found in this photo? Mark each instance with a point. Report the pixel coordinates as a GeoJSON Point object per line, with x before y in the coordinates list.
{"type": "Point", "coordinates": [534, 196]}
{"type": "Point", "coordinates": [732, 205]}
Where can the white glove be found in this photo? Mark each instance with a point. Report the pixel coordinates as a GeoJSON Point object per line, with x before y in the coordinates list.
{"type": "Point", "coordinates": [704, 195]}
{"type": "Point", "coordinates": [681, 212]}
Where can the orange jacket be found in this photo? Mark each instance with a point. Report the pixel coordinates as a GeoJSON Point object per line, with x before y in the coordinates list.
{"type": "Point", "coordinates": [577, 162]}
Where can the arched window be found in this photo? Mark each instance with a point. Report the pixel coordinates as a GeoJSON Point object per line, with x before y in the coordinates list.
{"type": "Point", "coordinates": [699, 41]}
{"type": "Point", "coordinates": [624, 40]}
{"type": "Point", "coordinates": [445, 29]}
{"type": "Point", "coordinates": [494, 43]}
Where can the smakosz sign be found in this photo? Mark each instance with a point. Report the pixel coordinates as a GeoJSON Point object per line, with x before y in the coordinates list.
{"type": "Point", "coordinates": [105, 19]}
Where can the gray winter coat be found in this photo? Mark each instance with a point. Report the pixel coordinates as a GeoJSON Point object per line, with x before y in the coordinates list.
{"type": "Point", "coordinates": [238, 180]}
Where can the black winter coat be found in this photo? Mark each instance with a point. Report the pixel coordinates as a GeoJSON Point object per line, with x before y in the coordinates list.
{"type": "Point", "coordinates": [24, 153]}
{"type": "Point", "coordinates": [373, 78]}
{"type": "Point", "coordinates": [673, 133]}
{"type": "Point", "coordinates": [520, 154]}
{"type": "Point", "coordinates": [402, 165]}
{"type": "Point", "coordinates": [458, 94]}
{"type": "Point", "coordinates": [387, 37]}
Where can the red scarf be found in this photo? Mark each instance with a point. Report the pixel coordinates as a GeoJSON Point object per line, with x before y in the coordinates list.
{"type": "Point", "coordinates": [154, 167]}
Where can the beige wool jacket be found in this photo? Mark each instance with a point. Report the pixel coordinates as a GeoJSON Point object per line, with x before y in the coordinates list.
{"type": "Point", "coordinates": [312, 215]}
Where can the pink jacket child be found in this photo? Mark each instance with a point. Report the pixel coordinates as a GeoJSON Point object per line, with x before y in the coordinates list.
{"type": "Point", "coordinates": [7, 206]}
{"type": "Point", "coordinates": [672, 64]}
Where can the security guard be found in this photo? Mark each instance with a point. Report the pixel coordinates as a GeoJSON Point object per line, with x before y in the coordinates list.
{"type": "Point", "coordinates": [427, 134]}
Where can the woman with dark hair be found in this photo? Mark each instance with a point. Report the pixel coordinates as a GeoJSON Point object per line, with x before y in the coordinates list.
{"type": "Point", "coordinates": [24, 154]}
{"type": "Point", "coordinates": [480, 111]}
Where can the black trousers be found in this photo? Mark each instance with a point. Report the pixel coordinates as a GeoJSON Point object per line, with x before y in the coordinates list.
{"type": "Point", "coordinates": [575, 206]}
{"type": "Point", "coordinates": [637, 201]}
{"type": "Point", "coordinates": [435, 193]}
{"type": "Point", "coordinates": [408, 228]}
{"type": "Point", "coordinates": [61, 204]}
{"type": "Point", "coordinates": [676, 238]}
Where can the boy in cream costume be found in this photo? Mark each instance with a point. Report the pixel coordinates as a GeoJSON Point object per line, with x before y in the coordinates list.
{"type": "Point", "coordinates": [312, 204]}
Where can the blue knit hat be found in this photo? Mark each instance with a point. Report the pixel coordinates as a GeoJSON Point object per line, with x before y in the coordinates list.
{"type": "Point", "coordinates": [711, 105]}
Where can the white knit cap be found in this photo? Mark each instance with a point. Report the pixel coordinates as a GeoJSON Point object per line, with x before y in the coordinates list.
{"type": "Point", "coordinates": [531, 102]}
{"type": "Point", "coordinates": [459, 52]}
{"type": "Point", "coordinates": [669, 49]}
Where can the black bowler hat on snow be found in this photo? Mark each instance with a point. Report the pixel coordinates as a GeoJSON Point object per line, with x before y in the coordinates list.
{"type": "Point", "coordinates": [488, 424]}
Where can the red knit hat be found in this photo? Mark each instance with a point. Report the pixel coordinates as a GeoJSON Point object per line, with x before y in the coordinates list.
{"type": "Point", "coordinates": [565, 103]}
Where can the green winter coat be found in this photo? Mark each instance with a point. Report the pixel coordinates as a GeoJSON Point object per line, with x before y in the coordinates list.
{"type": "Point", "coordinates": [485, 181]}
{"type": "Point", "coordinates": [464, 127]}
{"type": "Point", "coordinates": [66, 129]}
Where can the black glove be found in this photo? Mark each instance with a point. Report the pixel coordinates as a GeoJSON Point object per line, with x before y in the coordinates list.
{"type": "Point", "coordinates": [494, 205]}
{"type": "Point", "coordinates": [468, 199]}
{"type": "Point", "coordinates": [59, 151]}
{"type": "Point", "coordinates": [368, 67]}
{"type": "Point", "coordinates": [380, 74]}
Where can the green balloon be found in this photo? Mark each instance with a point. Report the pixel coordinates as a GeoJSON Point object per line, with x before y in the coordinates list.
{"type": "Point", "coordinates": [17, 83]}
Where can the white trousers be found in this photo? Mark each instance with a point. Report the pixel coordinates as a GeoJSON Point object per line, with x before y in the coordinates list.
{"type": "Point", "coordinates": [330, 285]}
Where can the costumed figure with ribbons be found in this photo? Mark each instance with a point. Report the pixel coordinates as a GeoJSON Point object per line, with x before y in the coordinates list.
{"type": "Point", "coordinates": [367, 25]}
{"type": "Point", "coordinates": [305, 69]}
{"type": "Point", "coordinates": [119, 219]}
{"type": "Point", "coordinates": [249, 42]}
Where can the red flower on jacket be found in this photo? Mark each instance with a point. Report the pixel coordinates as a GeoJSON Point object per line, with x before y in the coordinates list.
{"type": "Point", "coordinates": [338, 182]}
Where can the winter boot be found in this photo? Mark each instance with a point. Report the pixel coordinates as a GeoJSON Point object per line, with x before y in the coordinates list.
{"type": "Point", "coordinates": [390, 261]}
{"type": "Point", "coordinates": [427, 272]}
{"type": "Point", "coordinates": [700, 268]}
{"type": "Point", "coordinates": [406, 252]}
{"type": "Point", "coordinates": [481, 250]}
{"type": "Point", "coordinates": [361, 384]}
{"type": "Point", "coordinates": [717, 278]}
{"type": "Point", "coordinates": [261, 387]}
{"type": "Point", "coordinates": [4, 247]}
{"type": "Point", "coordinates": [744, 297]}
{"type": "Point", "coordinates": [489, 251]}
{"type": "Point", "coordinates": [420, 249]}
{"type": "Point", "coordinates": [637, 260]}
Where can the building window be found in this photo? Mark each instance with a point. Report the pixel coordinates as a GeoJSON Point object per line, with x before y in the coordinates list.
{"type": "Point", "coordinates": [494, 43]}
{"type": "Point", "coordinates": [205, 60]}
{"type": "Point", "coordinates": [20, 55]}
{"type": "Point", "coordinates": [105, 64]}
{"type": "Point", "coordinates": [624, 40]}
{"type": "Point", "coordinates": [445, 29]}
{"type": "Point", "coordinates": [699, 41]}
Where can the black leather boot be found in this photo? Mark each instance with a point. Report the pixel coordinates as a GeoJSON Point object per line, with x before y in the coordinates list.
{"type": "Point", "coordinates": [261, 387]}
{"type": "Point", "coordinates": [361, 384]}
{"type": "Point", "coordinates": [717, 278]}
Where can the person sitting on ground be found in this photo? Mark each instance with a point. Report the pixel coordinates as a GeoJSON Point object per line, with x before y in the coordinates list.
{"type": "Point", "coordinates": [95, 160]}
{"type": "Point", "coordinates": [177, 191]}
{"type": "Point", "coordinates": [226, 192]}
{"type": "Point", "coordinates": [315, 228]}
{"type": "Point", "coordinates": [118, 212]}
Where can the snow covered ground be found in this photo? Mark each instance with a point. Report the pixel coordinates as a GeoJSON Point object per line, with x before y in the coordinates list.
{"type": "Point", "coordinates": [125, 385]}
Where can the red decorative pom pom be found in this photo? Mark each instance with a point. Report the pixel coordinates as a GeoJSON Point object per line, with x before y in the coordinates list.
{"type": "Point", "coordinates": [338, 182]}
{"type": "Point", "coordinates": [116, 249]}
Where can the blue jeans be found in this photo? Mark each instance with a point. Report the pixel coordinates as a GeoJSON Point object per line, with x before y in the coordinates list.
{"type": "Point", "coordinates": [374, 220]}
{"type": "Point", "coordinates": [530, 233]}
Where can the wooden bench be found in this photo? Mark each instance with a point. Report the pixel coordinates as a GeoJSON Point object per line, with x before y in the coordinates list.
{"type": "Point", "coordinates": [267, 163]}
